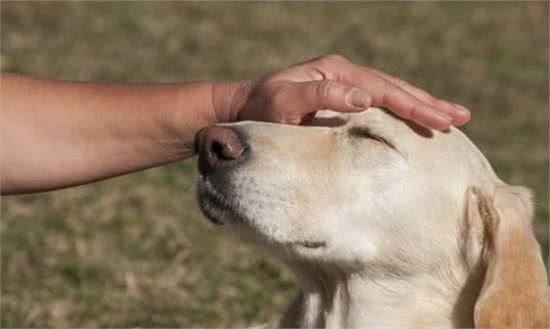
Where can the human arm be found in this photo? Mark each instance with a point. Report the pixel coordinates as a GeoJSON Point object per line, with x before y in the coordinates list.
{"type": "Point", "coordinates": [56, 134]}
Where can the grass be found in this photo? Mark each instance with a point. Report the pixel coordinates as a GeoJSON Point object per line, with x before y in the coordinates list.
{"type": "Point", "coordinates": [135, 250]}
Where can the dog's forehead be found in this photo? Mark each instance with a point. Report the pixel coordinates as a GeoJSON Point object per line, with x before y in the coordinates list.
{"type": "Point", "coordinates": [377, 120]}
{"type": "Point", "coordinates": [372, 118]}
{"type": "Point", "coordinates": [421, 144]}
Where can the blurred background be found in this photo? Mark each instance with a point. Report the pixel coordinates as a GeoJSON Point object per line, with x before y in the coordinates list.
{"type": "Point", "coordinates": [135, 250]}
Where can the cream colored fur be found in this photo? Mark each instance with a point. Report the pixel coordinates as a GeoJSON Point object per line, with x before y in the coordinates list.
{"type": "Point", "coordinates": [385, 224]}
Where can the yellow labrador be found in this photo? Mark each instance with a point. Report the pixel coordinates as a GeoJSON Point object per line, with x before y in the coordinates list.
{"type": "Point", "coordinates": [384, 223]}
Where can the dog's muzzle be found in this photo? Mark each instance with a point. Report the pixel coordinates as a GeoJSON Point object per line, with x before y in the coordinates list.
{"type": "Point", "coordinates": [219, 149]}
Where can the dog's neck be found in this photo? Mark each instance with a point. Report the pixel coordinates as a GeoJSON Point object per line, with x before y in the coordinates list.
{"type": "Point", "coordinates": [338, 299]}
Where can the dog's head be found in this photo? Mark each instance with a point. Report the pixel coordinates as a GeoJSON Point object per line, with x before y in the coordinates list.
{"type": "Point", "coordinates": [350, 189]}
{"type": "Point", "coordinates": [366, 191]}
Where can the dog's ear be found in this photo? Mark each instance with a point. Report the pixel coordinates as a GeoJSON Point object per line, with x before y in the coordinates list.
{"type": "Point", "coordinates": [514, 292]}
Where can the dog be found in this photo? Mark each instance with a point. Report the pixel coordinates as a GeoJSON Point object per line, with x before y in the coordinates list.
{"type": "Point", "coordinates": [383, 222]}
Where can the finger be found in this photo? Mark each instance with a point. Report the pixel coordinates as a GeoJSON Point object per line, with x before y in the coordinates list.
{"type": "Point", "coordinates": [406, 106]}
{"type": "Point", "coordinates": [459, 113]}
{"type": "Point", "coordinates": [386, 94]}
{"type": "Point", "coordinates": [415, 91]}
{"type": "Point", "coordinates": [306, 97]}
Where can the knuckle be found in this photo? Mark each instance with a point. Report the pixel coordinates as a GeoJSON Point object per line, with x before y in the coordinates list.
{"type": "Point", "coordinates": [323, 89]}
{"type": "Point", "coordinates": [411, 112]}
{"type": "Point", "coordinates": [335, 59]}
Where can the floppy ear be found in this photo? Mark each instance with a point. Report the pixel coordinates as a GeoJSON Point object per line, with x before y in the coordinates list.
{"type": "Point", "coordinates": [515, 291]}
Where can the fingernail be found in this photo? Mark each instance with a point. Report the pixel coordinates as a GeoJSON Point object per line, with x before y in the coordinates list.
{"type": "Point", "coordinates": [358, 98]}
{"type": "Point", "coordinates": [461, 108]}
{"type": "Point", "coordinates": [444, 116]}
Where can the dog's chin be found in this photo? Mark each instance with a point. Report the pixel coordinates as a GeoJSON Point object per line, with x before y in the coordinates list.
{"type": "Point", "coordinates": [221, 209]}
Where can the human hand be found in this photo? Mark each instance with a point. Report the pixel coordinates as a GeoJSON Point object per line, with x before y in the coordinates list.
{"type": "Point", "coordinates": [292, 95]}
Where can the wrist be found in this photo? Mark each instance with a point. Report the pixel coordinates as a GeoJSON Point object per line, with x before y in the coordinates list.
{"type": "Point", "coordinates": [228, 99]}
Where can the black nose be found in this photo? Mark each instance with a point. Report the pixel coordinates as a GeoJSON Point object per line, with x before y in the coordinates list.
{"type": "Point", "coordinates": [219, 148]}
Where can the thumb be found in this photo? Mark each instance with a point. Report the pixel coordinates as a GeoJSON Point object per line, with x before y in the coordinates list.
{"type": "Point", "coordinates": [334, 95]}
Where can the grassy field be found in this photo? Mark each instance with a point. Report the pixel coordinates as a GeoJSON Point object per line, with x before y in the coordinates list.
{"type": "Point", "coordinates": [135, 250]}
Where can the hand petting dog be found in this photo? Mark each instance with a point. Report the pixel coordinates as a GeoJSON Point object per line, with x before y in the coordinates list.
{"type": "Point", "coordinates": [84, 132]}
{"type": "Point", "coordinates": [333, 82]}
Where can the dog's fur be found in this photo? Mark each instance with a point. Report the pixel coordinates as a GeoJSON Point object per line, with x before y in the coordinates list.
{"type": "Point", "coordinates": [385, 224]}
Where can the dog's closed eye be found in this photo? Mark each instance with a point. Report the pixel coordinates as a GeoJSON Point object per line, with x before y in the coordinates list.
{"type": "Point", "coordinates": [364, 132]}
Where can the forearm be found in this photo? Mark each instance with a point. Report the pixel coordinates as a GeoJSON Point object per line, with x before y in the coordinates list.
{"type": "Point", "coordinates": [58, 134]}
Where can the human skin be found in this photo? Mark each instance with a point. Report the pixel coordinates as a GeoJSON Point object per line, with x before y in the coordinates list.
{"type": "Point", "coordinates": [57, 134]}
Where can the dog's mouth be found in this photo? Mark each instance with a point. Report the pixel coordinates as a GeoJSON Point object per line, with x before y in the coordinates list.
{"type": "Point", "coordinates": [215, 206]}
{"type": "Point", "coordinates": [219, 209]}
{"type": "Point", "coordinates": [310, 244]}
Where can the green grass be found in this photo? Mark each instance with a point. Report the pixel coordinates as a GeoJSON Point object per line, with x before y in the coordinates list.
{"type": "Point", "coordinates": [135, 250]}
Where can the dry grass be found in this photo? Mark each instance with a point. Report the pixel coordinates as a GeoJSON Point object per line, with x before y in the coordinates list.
{"type": "Point", "coordinates": [135, 251]}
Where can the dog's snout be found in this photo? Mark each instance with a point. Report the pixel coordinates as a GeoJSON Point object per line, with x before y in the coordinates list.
{"type": "Point", "coordinates": [219, 148]}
